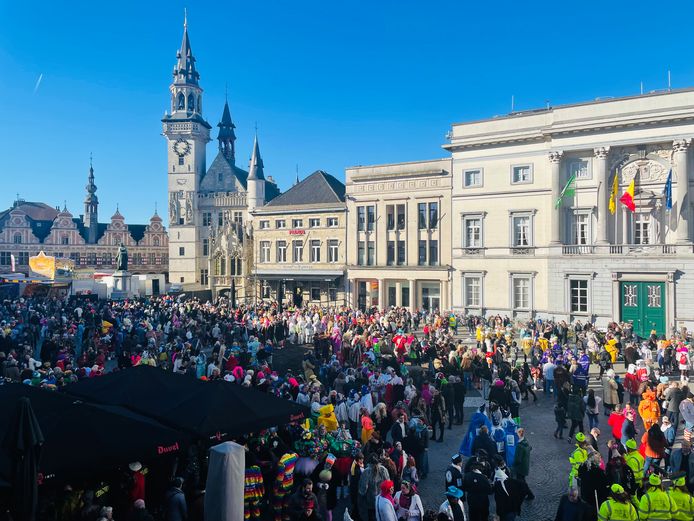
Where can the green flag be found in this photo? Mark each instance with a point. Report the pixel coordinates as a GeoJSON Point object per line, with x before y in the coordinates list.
{"type": "Point", "coordinates": [568, 191]}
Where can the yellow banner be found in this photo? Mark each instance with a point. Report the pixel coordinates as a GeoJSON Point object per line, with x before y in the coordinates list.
{"type": "Point", "coordinates": [43, 265]}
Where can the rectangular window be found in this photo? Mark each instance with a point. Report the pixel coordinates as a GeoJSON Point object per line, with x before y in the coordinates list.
{"type": "Point", "coordinates": [22, 258]}
{"type": "Point", "coordinates": [422, 253]}
{"type": "Point", "coordinates": [370, 218]}
{"type": "Point", "coordinates": [371, 253]}
{"type": "Point", "coordinates": [280, 223]}
{"type": "Point", "coordinates": [17, 239]}
{"type": "Point", "coordinates": [107, 260]}
{"type": "Point", "coordinates": [151, 259]}
{"type": "Point", "coordinates": [521, 293]}
{"type": "Point", "coordinates": [315, 294]}
{"type": "Point", "coordinates": [522, 174]}
{"type": "Point", "coordinates": [297, 251]}
{"type": "Point", "coordinates": [206, 218]}
{"type": "Point", "coordinates": [332, 294]}
{"type": "Point", "coordinates": [75, 257]}
{"type": "Point", "coordinates": [264, 251]}
{"type": "Point", "coordinates": [315, 251]}
{"type": "Point", "coordinates": [333, 250]}
{"type": "Point", "coordinates": [581, 233]}
{"type": "Point", "coordinates": [433, 215]}
{"type": "Point", "coordinates": [642, 228]}
{"type": "Point", "coordinates": [361, 253]}
{"type": "Point", "coordinates": [264, 225]}
{"type": "Point", "coordinates": [314, 223]}
{"type": "Point", "coordinates": [204, 277]}
{"type": "Point", "coordinates": [472, 178]}
{"type": "Point", "coordinates": [180, 160]}
{"type": "Point", "coordinates": [238, 217]}
{"type": "Point", "coordinates": [65, 240]}
{"type": "Point", "coordinates": [332, 222]}
{"type": "Point", "coordinates": [220, 219]}
{"type": "Point", "coordinates": [5, 258]}
{"type": "Point", "coordinates": [405, 299]}
{"type": "Point", "coordinates": [579, 168]}
{"type": "Point", "coordinates": [297, 223]}
{"type": "Point", "coordinates": [181, 251]}
{"type": "Point", "coordinates": [282, 251]}
{"type": "Point", "coordinates": [361, 218]}
{"type": "Point", "coordinates": [205, 247]}
{"type": "Point", "coordinates": [401, 253]}
{"type": "Point", "coordinates": [521, 231]}
{"type": "Point", "coordinates": [472, 237]}
{"type": "Point", "coordinates": [579, 295]}
{"type": "Point", "coordinates": [401, 216]}
{"type": "Point", "coordinates": [473, 289]}
{"type": "Point", "coordinates": [390, 257]}
{"type": "Point", "coordinates": [390, 217]}
{"type": "Point", "coordinates": [422, 216]}
{"type": "Point", "coordinates": [433, 253]}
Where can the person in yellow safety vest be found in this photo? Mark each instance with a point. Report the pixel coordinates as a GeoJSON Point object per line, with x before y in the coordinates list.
{"type": "Point", "coordinates": [635, 462]}
{"type": "Point", "coordinates": [656, 504]}
{"type": "Point", "coordinates": [577, 458]}
{"type": "Point", "coordinates": [618, 507]}
{"type": "Point", "coordinates": [682, 498]}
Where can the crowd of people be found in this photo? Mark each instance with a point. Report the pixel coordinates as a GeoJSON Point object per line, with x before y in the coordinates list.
{"type": "Point", "coordinates": [383, 387]}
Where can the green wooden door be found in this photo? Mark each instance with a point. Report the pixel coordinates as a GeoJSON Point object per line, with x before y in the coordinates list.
{"type": "Point", "coordinates": [643, 304]}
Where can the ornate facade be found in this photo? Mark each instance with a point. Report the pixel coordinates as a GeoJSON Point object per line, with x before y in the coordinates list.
{"type": "Point", "coordinates": [208, 207]}
{"type": "Point", "coordinates": [30, 227]}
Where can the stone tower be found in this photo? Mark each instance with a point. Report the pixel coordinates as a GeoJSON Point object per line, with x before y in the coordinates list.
{"type": "Point", "coordinates": [256, 179]}
{"type": "Point", "coordinates": [91, 208]}
{"type": "Point", "coordinates": [187, 134]}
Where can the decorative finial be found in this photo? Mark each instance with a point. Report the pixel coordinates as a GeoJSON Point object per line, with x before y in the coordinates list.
{"type": "Point", "coordinates": [155, 208]}
{"type": "Point", "coordinates": [185, 18]}
{"type": "Point", "coordinates": [226, 91]}
{"type": "Point", "coordinates": [256, 129]}
{"type": "Point", "coordinates": [64, 205]}
{"type": "Point", "coordinates": [117, 207]}
{"type": "Point", "coordinates": [297, 174]}
{"type": "Point", "coordinates": [90, 161]}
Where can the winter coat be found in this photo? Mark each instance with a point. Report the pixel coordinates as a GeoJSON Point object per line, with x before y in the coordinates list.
{"type": "Point", "coordinates": [609, 391]}
{"type": "Point", "coordinates": [508, 496]}
{"type": "Point", "coordinates": [521, 461]}
{"type": "Point", "coordinates": [575, 408]}
{"type": "Point", "coordinates": [175, 505]}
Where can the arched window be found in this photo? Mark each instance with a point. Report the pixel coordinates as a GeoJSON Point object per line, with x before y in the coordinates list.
{"type": "Point", "coordinates": [155, 241]}
{"type": "Point", "coordinates": [200, 104]}
{"type": "Point", "coordinates": [191, 103]}
{"type": "Point", "coordinates": [181, 101]}
{"type": "Point", "coordinates": [18, 238]}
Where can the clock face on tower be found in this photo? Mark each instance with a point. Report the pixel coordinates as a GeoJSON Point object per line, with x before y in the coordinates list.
{"type": "Point", "coordinates": [181, 147]}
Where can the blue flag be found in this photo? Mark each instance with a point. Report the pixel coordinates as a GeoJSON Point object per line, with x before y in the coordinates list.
{"type": "Point", "coordinates": [667, 191]}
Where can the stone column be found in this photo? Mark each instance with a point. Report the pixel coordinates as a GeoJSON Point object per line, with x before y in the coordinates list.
{"type": "Point", "coordinates": [555, 215]}
{"type": "Point", "coordinates": [398, 293]}
{"type": "Point", "coordinates": [381, 293]}
{"type": "Point", "coordinates": [604, 189]}
{"type": "Point", "coordinates": [413, 294]}
{"type": "Point", "coordinates": [444, 295]}
{"type": "Point", "coordinates": [681, 178]}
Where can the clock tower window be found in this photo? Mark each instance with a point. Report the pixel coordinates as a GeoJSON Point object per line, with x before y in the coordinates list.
{"type": "Point", "coordinates": [180, 160]}
{"type": "Point", "coordinates": [191, 103]}
{"type": "Point", "coordinates": [181, 101]}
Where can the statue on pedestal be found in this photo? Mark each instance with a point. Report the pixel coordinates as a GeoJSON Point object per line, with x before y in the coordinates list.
{"type": "Point", "coordinates": [122, 258]}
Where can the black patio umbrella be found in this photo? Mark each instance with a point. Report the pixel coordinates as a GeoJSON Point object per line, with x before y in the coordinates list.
{"type": "Point", "coordinates": [214, 411]}
{"type": "Point", "coordinates": [24, 440]}
{"type": "Point", "coordinates": [232, 293]}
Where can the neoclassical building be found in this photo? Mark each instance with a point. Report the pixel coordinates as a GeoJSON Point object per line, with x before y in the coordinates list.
{"type": "Point", "coordinates": [209, 208]}
{"type": "Point", "coordinates": [29, 227]}
{"type": "Point", "coordinates": [517, 252]}
{"type": "Point", "coordinates": [398, 230]}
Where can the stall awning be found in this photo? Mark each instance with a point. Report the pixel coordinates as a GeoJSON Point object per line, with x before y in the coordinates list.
{"type": "Point", "coordinates": [215, 410]}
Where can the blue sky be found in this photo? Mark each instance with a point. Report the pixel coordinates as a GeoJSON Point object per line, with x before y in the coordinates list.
{"type": "Point", "coordinates": [330, 84]}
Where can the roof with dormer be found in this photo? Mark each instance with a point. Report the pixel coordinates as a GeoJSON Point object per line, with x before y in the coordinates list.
{"type": "Point", "coordinates": [318, 188]}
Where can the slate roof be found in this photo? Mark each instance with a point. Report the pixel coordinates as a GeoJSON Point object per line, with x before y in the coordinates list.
{"type": "Point", "coordinates": [35, 211]}
{"type": "Point", "coordinates": [100, 230]}
{"type": "Point", "coordinates": [222, 164]}
{"type": "Point", "coordinates": [318, 188]}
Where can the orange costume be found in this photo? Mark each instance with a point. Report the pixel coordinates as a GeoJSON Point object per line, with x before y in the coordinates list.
{"type": "Point", "coordinates": [649, 410]}
{"type": "Point", "coordinates": [367, 428]}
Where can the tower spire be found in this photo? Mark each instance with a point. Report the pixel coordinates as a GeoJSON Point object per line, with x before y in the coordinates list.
{"type": "Point", "coordinates": [91, 206]}
{"type": "Point", "coordinates": [184, 71]}
{"type": "Point", "coordinates": [227, 136]}
{"type": "Point", "coordinates": [255, 168]}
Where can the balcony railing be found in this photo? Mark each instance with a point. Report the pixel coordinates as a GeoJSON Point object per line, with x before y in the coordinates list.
{"type": "Point", "coordinates": [522, 250]}
{"type": "Point", "coordinates": [578, 249]}
{"type": "Point", "coordinates": [643, 249]}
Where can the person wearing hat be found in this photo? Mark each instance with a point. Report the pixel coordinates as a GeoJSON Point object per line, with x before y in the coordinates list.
{"type": "Point", "coordinates": [618, 507]}
{"type": "Point", "coordinates": [635, 461]}
{"type": "Point", "coordinates": [385, 504]}
{"type": "Point", "coordinates": [577, 458]}
{"type": "Point", "coordinates": [137, 489]}
{"type": "Point", "coordinates": [656, 504]}
{"type": "Point", "coordinates": [453, 508]}
{"type": "Point", "coordinates": [454, 472]}
{"type": "Point", "coordinates": [682, 498]}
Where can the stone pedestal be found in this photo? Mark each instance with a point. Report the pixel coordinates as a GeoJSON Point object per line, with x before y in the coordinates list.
{"type": "Point", "coordinates": [121, 285]}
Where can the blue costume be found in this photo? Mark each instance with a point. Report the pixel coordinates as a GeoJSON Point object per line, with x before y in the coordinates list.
{"type": "Point", "coordinates": [476, 421]}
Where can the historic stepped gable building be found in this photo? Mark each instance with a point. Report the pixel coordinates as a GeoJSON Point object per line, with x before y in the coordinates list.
{"type": "Point", "coordinates": [30, 227]}
{"type": "Point", "coordinates": [208, 207]}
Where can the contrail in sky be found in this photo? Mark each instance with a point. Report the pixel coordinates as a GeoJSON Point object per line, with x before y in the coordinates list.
{"type": "Point", "coordinates": [38, 83]}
